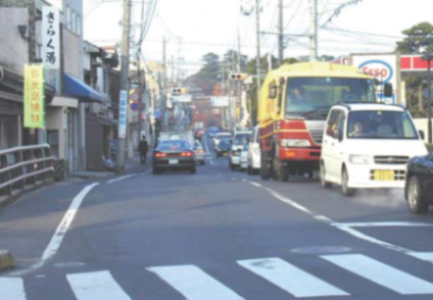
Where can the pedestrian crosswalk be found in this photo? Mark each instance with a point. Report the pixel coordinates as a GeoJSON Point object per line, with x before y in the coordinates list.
{"type": "Point", "coordinates": [292, 276]}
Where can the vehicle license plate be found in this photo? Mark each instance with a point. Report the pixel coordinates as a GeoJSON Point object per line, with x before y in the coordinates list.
{"type": "Point", "coordinates": [384, 175]}
{"type": "Point", "coordinates": [173, 161]}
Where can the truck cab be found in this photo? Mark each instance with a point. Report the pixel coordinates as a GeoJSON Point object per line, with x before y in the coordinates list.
{"type": "Point", "coordinates": [294, 104]}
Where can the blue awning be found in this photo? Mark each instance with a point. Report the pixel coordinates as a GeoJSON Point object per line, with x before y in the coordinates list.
{"type": "Point", "coordinates": [78, 89]}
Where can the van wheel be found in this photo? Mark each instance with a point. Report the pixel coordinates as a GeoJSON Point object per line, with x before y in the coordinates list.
{"type": "Point", "coordinates": [323, 182]}
{"type": "Point", "coordinates": [280, 172]}
{"type": "Point", "coordinates": [265, 169]}
{"type": "Point", "coordinates": [415, 199]}
{"type": "Point", "coordinates": [345, 184]}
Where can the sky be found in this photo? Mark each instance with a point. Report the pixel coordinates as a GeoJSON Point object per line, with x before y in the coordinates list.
{"type": "Point", "coordinates": [196, 27]}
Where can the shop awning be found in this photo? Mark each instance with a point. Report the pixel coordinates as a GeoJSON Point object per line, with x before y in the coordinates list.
{"type": "Point", "coordinates": [78, 89]}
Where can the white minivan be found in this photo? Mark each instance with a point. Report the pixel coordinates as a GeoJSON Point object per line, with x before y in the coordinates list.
{"type": "Point", "coordinates": [240, 138]}
{"type": "Point", "coordinates": [368, 146]}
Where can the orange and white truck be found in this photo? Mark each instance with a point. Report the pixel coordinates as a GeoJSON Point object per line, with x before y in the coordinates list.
{"type": "Point", "coordinates": [294, 104]}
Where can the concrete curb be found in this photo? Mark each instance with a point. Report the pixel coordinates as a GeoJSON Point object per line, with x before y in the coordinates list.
{"type": "Point", "coordinates": [6, 260]}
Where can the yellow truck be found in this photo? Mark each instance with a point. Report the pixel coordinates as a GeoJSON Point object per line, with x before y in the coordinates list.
{"type": "Point", "coordinates": [294, 104]}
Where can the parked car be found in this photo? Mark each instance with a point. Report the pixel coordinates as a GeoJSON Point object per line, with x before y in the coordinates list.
{"type": "Point", "coordinates": [244, 157]}
{"type": "Point", "coordinates": [419, 183]}
{"type": "Point", "coordinates": [368, 146]}
{"type": "Point", "coordinates": [223, 148]}
{"type": "Point", "coordinates": [200, 155]}
{"type": "Point", "coordinates": [221, 136]}
{"type": "Point", "coordinates": [240, 138]}
{"type": "Point", "coordinates": [254, 157]}
{"type": "Point", "coordinates": [173, 154]}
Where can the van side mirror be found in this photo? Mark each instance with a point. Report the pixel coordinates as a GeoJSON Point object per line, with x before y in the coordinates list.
{"type": "Point", "coordinates": [388, 90]}
{"type": "Point", "coordinates": [422, 134]}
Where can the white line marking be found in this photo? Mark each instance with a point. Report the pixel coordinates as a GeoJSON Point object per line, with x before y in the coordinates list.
{"type": "Point", "coordinates": [292, 203]}
{"type": "Point", "coordinates": [256, 184]}
{"type": "Point", "coordinates": [194, 284]}
{"type": "Point", "coordinates": [62, 229]}
{"type": "Point", "coordinates": [387, 224]}
{"type": "Point", "coordinates": [290, 278]}
{"type": "Point", "coordinates": [362, 236]}
{"type": "Point", "coordinates": [147, 172]}
{"type": "Point", "coordinates": [120, 178]}
{"type": "Point", "coordinates": [12, 289]}
{"type": "Point", "coordinates": [96, 286]}
{"type": "Point", "coordinates": [382, 274]}
{"type": "Point", "coordinates": [427, 256]}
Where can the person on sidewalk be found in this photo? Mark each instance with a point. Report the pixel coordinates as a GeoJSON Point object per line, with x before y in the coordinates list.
{"type": "Point", "coordinates": [143, 147]}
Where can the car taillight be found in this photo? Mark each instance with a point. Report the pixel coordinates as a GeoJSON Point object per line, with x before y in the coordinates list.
{"type": "Point", "coordinates": [199, 151]}
{"type": "Point", "coordinates": [187, 154]}
{"type": "Point", "coordinates": [234, 153]}
{"type": "Point", "coordinates": [160, 154]}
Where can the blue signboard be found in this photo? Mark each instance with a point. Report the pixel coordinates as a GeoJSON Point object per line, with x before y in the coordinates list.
{"type": "Point", "coordinates": [157, 114]}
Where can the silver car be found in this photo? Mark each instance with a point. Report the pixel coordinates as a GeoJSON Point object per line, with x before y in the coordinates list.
{"type": "Point", "coordinates": [200, 155]}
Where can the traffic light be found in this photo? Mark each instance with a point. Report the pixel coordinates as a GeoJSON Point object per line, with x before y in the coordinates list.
{"type": "Point", "coordinates": [238, 76]}
{"type": "Point", "coordinates": [179, 91]}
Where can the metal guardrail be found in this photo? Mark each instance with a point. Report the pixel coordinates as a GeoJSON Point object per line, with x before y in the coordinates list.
{"type": "Point", "coordinates": [25, 165]}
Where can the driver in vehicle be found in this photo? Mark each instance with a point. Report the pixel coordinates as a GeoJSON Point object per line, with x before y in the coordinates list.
{"type": "Point", "coordinates": [358, 130]}
{"type": "Point", "coordinates": [298, 94]}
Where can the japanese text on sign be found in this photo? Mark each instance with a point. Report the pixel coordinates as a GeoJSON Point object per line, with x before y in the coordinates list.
{"type": "Point", "coordinates": [51, 37]}
{"type": "Point", "coordinates": [34, 95]}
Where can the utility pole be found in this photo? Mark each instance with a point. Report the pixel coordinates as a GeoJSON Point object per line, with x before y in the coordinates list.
{"type": "Point", "coordinates": [164, 79]}
{"type": "Point", "coordinates": [280, 34]}
{"type": "Point", "coordinates": [140, 83]}
{"type": "Point", "coordinates": [270, 67]}
{"type": "Point", "coordinates": [259, 80]}
{"type": "Point", "coordinates": [124, 84]}
{"type": "Point", "coordinates": [315, 27]}
{"type": "Point", "coordinates": [239, 52]}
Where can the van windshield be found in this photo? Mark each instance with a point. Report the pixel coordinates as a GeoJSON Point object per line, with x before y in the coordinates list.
{"type": "Point", "coordinates": [241, 139]}
{"type": "Point", "coordinates": [312, 97]}
{"type": "Point", "coordinates": [380, 125]}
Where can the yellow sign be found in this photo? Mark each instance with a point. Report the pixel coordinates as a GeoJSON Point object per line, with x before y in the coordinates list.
{"type": "Point", "coordinates": [34, 95]}
{"type": "Point", "coordinates": [384, 175]}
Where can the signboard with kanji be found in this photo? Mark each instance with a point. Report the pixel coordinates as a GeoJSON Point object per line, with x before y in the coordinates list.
{"type": "Point", "coordinates": [34, 95]}
{"type": "Point", "coordinates": [123, 109]}
{"type": "Point", "coordinates": [50, 38]}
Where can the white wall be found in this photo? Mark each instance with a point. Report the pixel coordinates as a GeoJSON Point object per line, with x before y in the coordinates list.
{"type": "Point", "coordinates": [55, 122]}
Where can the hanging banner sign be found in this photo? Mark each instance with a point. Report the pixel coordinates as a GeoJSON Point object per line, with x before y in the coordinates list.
{"type": "Point", "coordinates": [34, 96]}
{"type": "Point", "coordinates": [50, 38]}
{"type": "Point", "coordinates": [123, 111]}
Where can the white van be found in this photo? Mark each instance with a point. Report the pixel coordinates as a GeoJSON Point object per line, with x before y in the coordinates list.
{"type": "Point", "coordinates": [240, 138]}
{"type": "Point", "coordinates": [368, 146]}
{"type": "Point", "coordinates": [254, 156]}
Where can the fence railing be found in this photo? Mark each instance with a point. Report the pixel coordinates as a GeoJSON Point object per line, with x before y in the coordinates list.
{"type": "Point", "coordinates": [23, 166]}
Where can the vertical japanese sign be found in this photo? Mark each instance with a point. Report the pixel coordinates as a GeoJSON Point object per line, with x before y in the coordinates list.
{"type": "Point", "coordinates": [50, 38]}
{"type": "Point", "coordinates": [123, 108]}
{"type": "Point", "coordinates": [34, 95]}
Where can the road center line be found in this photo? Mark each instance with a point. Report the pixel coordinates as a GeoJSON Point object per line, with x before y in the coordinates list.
{"type": "Point", "coordinates": [62, 229]}
{"type": "Point", "coordinates": [120, 178]}
{"type": "Point", "coordinates": [343, 226]}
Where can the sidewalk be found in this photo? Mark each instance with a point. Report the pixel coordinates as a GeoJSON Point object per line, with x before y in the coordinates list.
{"type": "Point", "coordinates": [130, 164]}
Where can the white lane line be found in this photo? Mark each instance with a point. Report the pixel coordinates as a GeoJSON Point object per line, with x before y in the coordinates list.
{"type": "Point", "coordinates": [256, 184]}
{"type": "Point", "coordinates": [120, 178]}
{"type": "Point", "coordinates": [290, 278]}
{"type": "Point", "coordinates": [427, 256]}
{"type": "Point", "coordinates": [194, 284]}
{"type": "Point", "coordinates": [387, 224]}
{"type": "Point", "coordinates": [147, 172]}
{"type": "Point", "coordinates": [381, 274]}
{"type": "Point", "coordinates": [362, 236]}
{"type": "Point", "coordinates": [12, 289]}
{"type": "Point", "coordinates": [62, 229]}
{"type": "Point", "coordinates": [96, 286]}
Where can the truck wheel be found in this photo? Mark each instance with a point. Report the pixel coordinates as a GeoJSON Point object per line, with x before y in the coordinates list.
{"type": "Point", "coordinates": [323, 182]}
{"type": "Point", "coordinates": [345, 184]}
{"type": "Point", "coordinates": [265, 170]}
{"type": "Point", "coordinates": [415, 199]}
{"type": "Point", "coordinates": [232, 166]}
{"type": "Point", "coordinates": [280, 172]}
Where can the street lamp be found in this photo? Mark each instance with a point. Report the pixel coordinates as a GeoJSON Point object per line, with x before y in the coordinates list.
{"type": "Point", "coordinates": [429, 57]}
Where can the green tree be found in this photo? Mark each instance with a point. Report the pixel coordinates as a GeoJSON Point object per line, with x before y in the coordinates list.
{"type": "Point", "coordinates": [211, 69]}
{"type": "Point", "coordinates": [419, 38]}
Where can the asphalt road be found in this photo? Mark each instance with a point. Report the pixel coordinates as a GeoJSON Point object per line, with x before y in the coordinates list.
{"type": "Point", "coordinates": [216, 235]}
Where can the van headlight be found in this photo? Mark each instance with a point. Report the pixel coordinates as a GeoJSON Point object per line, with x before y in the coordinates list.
{"type": "Point", "coordinates": [295, 143]}
{"type": "Point", "coordinates": [359, 159]}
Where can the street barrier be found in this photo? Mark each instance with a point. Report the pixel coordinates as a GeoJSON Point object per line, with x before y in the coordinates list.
{"type": "Point", "coordinates": [23, 166]}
